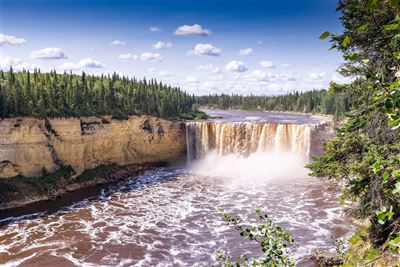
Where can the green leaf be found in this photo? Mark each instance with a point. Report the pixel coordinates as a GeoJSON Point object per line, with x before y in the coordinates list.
{"type": "Point", "coordinates": [391, 27]}
{"type": "Point", "coordinates": [362, 27]}
{"type": "Point", "coordinates": [376, 167]}
{"type": "Point", "coordinates": [372, 4]}
{"type": "Point", "coordinates": [386, 176]}
{"type": "Point", "coordinates": [324, 35]}
{"type": "Point", "coordinates": [346, 41]}
{"type": "Point", "coordinates": [352, 56]}
{"type": "Point", "coordinates": [394, 3]}
{"type": "Point", "coordinates": [397, 189]}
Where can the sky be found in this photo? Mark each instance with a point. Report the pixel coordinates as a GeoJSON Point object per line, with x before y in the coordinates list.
{"type": "Point", "coordinates": [204, 47]}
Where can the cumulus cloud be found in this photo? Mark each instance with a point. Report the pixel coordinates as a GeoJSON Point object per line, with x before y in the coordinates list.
{"type": "Point", "coordinates": [11, 40]}
{"type": "Point", "coordinates": [209, 67]}
{"type": "Point", "coordinates": [245, 52]}
{"type": "Point", "coordinates": [195, 29]}
{"type": "Point", "coordinates": [154, 29]}
{"type": "Point", "coordinates": [258, 75]}
{"type": "Point", "coordinates": [317, 76]}
{"type": "Point", "coordinates": [82, 64]}
{"type": "Point", "coordinates": [48, 53]}
{"type": "Point", "coordinates": [127, 57]}
{"type": "Point", "coordinates": [236, 66]}
{"type": "Point", "coordinates": [286, 65]}
{"type": "Point", "coordinates": [16, 63]}
{"type": "Point", "coordinates": [117, 42]}
{"type": "Point", "coordinates": [267, 64]}
{"type": "Point", "coordinates": [205, 49]}
{"type": "Point", "coordinates": [162, 45]}
{"type": "Point", "coordinates": [192, 79]}
{"type": "Point", "coordinates": [147, 56]}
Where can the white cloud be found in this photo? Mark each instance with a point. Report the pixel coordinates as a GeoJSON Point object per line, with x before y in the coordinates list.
{"type": "Point", "coordinates": [205, 49]}
{"type": "Point", "coordinates": [16, 63]}
{"type": "Point", "coordinates": [258, 75]}
{"type": "Point", "coordinates": [192, 79]}
{"type": "Point", "coordinates": [82, 64]}
{"type": "Point", "coordinates": [155, 29]}
{"type": "Point", "coordinates": [285, 65]}
{"type": "Point", "coordinates": [259, 42]}
{"type": "Point", "coordinates": [216, 77]}
{"type": "Point", "coordinates": [162, 45]}
{"type": "Point", "coordinates": [164, 73]}
{"type": "Point", "coordinates": [11, 40]}
{"type": "Point", "coordinates": [147, 56]}
{"type": "Point", "coordinates": [195, 29]}
{"type": "Point", "coordinates": [127, 57]}
{"type": "Point", "coordinates": [151, 70]}
{"type": "Point", "coordinates": [236, 66]}
{"type": "Point", "coordinates": [246, 52]}
{"type": "Point", "coordinates": [117, 42]}
{"type": "Point", "coordinates": [316, 76]}
{"type": "Point", "coordinates": [267, 64]}
{"type": "Point", "coordinates": [48, 53]}
{"type": "Point", "coordinates": [209, 67]}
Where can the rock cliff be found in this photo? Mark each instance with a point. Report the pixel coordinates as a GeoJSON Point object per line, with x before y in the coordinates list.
{"type": "Point", "coordinates": [29, 146]}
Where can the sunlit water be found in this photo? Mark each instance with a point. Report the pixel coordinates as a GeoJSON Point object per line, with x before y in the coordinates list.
{"type": "Point", "coordinates": [171, 216]}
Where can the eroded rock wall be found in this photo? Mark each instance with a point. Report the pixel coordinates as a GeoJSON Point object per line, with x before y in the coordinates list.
{"type": "Point", "coordinates": [28, 145]}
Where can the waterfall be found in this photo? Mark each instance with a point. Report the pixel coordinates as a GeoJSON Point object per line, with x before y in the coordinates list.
{"type": "Point", "coordinates": [246, 138]}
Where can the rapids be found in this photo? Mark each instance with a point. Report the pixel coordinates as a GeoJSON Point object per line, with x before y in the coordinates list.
{"type": "Point", "coordinates": [171, 216]}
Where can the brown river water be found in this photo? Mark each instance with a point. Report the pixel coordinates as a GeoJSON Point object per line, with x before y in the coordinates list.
{"type": "Point", "coordinates": [171, 216]}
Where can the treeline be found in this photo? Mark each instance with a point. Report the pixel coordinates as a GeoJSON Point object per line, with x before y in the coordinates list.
{"type": "Point", "coordinates": [68, 95]}
{"type": "Point", "coordinates": [316, 101]}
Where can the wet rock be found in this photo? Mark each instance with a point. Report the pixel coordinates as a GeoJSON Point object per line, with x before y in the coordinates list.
{"type": "Point", "coordinates": [327, 258]}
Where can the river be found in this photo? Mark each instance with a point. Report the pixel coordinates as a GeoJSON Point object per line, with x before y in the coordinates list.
{"type": "Point", "coordinates": [171, 216]}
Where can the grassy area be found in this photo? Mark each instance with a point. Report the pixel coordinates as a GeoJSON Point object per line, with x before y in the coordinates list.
{"type": "Point", "coordinates": [100, 171]}
{"type": "Point", "coordinates": [194, 115]}
{"type": "Point", "coordinates": [39, 185]}
{"type": "Point", "coordinates": [21, 185]}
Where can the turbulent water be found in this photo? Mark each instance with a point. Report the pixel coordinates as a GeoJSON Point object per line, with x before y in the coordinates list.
{"type": "Point", "coordinates": [171, 216]}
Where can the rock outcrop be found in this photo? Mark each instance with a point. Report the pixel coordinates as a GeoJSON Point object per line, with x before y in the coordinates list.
{"type": "Point", "coordinates": [30, 146]}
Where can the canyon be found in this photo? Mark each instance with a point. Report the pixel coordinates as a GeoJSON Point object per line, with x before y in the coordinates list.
{"type": "Point", "coordinates": [30, 146]}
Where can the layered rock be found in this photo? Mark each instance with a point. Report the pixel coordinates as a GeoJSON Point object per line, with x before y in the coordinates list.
{"type": "Point", "coordinates": [29, 146]}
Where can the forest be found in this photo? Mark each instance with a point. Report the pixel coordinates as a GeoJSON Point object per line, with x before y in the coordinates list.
{"type": "Point", "coordinates": [316, 101]}
{"type": "Point", "coordinates": [67, 95]}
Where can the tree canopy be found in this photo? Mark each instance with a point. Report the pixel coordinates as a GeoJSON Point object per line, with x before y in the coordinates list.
{"type": "Point", "coordinates": [67, 95]}
{"type": "Point", "coordinates": [365, 154]}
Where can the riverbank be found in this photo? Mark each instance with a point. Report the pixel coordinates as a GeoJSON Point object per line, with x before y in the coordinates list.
{"type": "Point", "coordinates": [21, 191]}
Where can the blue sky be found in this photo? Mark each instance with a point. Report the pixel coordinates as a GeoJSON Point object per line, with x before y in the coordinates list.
{"type": "Point", "coordinates": [218, 46]}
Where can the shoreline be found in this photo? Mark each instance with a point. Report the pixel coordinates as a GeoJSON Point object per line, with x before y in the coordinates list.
{"type": "Point", "coordinates": [31, 197]}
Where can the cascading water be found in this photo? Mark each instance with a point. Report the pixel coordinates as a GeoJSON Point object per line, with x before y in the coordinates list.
{"type": "Point", "coordinates": [249, 151]}
{"type": "Point", "coordinates": [246, 138]}
{"type": "Point", "coordinates": [171, 216]}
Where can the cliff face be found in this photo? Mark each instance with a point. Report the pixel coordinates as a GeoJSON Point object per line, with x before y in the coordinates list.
{"type": "Point", "coordinates": [29, 145]}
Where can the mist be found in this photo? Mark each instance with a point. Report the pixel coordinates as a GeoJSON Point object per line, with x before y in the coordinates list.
{"type": "Point", "coordinates": [258, 167]}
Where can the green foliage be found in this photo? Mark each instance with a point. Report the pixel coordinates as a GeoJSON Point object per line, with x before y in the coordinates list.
{"type": "Point", "coordinates": [67, 95]}
{"type": "Point", "coordinates": [194, 115]}
{"type": "Point", "coordinates": [50, 181]}
{"type": "Point", "coordinates": [273, 241]}
{"type": "Point", "coordinates": [100, 171]}
{"type": "Point", "coordinates": [316, 101]}
{"type": "Point", "coordinates": [365, 154]}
